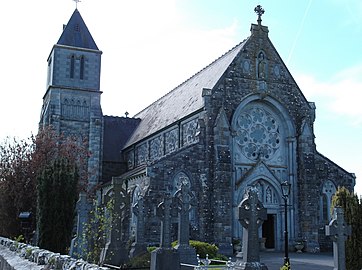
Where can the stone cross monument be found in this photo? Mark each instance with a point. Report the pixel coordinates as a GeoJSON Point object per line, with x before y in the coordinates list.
{"type": "Point", "coordinates": [115, 252]}
{"type": "Point", "coordinates": [338, 230]}
{"type": "Point", "coordinates": [139, 246]}
{"type": "Point", "coordinates": [165, 257]}
{"type": "Point", "coordinates": [251, 216]}
{"type": "Point", "coordinates": [184, 198]}
{"type": "Point", "coordinates": [78, 245]}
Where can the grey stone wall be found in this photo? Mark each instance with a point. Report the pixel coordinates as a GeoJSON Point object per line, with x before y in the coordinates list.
{"type": "Point", "coordinates": [19, 256]}
{"type": "Point", "coordinates": [191, 161]}
{"type": "Point", "coordinates": [61, 68]}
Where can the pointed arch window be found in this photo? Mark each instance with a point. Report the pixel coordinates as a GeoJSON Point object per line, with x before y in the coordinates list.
{"type": "Point", "coordinates": [81, 75]}
{"type": "Point", "coordinates": [72, 64]}
{"type": "Point", "coordinates": [328, 190]}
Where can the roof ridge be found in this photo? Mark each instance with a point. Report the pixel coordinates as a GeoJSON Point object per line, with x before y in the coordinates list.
{"type": "Point", "coordinates": [178, 86]}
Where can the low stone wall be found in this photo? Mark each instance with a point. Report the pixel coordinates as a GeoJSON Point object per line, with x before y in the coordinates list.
{"type": "Point", "coordinates": [18, 256]}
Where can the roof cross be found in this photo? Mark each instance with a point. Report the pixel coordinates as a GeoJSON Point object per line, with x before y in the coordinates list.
{"type": "Point", "coordinates": [260, 11]}
{"type": "Point", "coordinates": [76, 3]}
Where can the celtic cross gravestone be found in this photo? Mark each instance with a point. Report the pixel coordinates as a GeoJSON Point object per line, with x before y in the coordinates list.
{"type": "Point", "coordinates": [183, 200]}
{"type": "Point", "coordinates": [139, 246]}
{"type": "Point", "coordinates": [165, 257]}
{"type": "Point", "coordinates": [338, 230]}
{"type": "Point", "coordinates": [251, 216]}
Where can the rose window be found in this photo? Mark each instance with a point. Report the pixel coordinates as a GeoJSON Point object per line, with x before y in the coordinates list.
{"type": "Point", "coordinates": [258, 134]}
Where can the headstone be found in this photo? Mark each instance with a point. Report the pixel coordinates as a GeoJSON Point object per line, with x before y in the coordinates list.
{"type": "Point", "coordinates": [115, 252]}
{"type": "Point", "coordinates": [139, 246]}
{"type": "Point", "coordinates": [165, 257]}
{"type": "Point", "coordinates": [183, 201]}
{"type": "Point", "coordinates": [338, 230]}
{"type": "Point", "coordinates": [251, 216]}
{"type": "Point", "coordinates": [78, 244]}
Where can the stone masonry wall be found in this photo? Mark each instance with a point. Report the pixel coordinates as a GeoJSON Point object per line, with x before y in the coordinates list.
{"type": "Point", "coordinates": [191, 161]}
{"type": "Point", "coordinates": [20, 256]}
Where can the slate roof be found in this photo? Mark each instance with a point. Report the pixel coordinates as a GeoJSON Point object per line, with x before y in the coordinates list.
{"type": "Point", "coordinates": [116, 132]}
{"type": "Point", "coordinates": [76, 33]}
{"type": "Point", "coordinates": [183, 100]}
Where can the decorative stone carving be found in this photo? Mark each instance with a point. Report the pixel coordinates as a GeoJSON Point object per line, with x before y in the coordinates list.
{"type": "Point", "coordinates": [245, 64]}
{"type": "Point", "coordinates": [189, 132]}
{"type": "Point", "coordinates": [171, 141]}
{"type": "Point", "coordinates": [130, 159]}
{"type": "Point", "coordinates": [141, 154]}
{"type": "Point", "coordinates": [156, 148]}
{"type": "Point", "coordinates": [277, 71]}
{"type": "Point", "coordinates": [262, 66]}
{"type": "Point", "coordinates": [74, 108]}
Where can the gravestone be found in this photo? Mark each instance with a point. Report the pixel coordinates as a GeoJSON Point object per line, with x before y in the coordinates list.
{"type": "Point", "coordinates": [78, 244]}
{"type": "Point", "coordinates": [165, 257]}
{"type": "Point", "coordinates": [115, 252]}
{"type": "Point", "coordinates": [338, 230]}
{"type": "Point", "coordinates": [251, 216]}
{"type": "Point", "coordinates": [184, 198]}
{"type": "Point", "coordinates": [139, 246]}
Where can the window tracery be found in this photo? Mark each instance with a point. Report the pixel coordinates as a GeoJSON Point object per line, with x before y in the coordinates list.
{"type": "Point", "coordinates": [328, 190]}
{"type": "Point", "coordinates": [190, 130]}
{"type": "Point", "coordinates": [171, 139]}
{"type": "Point", "coordinates": [258, 134]}
{"type": "Point", "coordinates": [156, 148]}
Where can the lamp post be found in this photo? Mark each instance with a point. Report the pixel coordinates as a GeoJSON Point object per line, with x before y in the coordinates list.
{"type": "Point", "coordinates": [285, 186]}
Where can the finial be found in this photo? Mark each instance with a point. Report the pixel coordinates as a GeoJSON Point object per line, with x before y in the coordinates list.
{"type": "Point", "coordinates": [260, 11]}
{"type": "Point", "coordinates": [76, 3]}
{"type": "Point", "coordinates": [126, 113]}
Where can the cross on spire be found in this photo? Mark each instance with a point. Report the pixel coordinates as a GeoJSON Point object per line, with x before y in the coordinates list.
{"type": "Point", "coordinates": [76, 3]}
{"type": "Point", "coordinates": [260, 11]}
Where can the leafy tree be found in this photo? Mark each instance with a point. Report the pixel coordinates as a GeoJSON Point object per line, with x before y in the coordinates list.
{"type": "Point", "coordinates": [17, 186]}
{"type": "Point", "coordinates": [22, 161]}
{"type": "Point", "coordinates": [57, 197]}
{"type": "Point", "coordinates": [353, 215]}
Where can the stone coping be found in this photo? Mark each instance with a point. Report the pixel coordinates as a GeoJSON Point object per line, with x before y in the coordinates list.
{"type": "Point", "coordinates": [23, 256]}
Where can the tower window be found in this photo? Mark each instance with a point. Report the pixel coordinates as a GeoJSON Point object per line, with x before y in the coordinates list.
{"type": "Point", "coordinates": [81, 75]}
{"type": "Point", "coordinates": [72, 63]}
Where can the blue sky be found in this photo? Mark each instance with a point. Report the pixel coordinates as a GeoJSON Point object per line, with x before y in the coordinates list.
{"type": "Point", "coordinates": [150, 47]}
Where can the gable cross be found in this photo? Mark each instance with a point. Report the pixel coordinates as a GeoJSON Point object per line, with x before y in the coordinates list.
{"type": "Point", "coordinates": [260, 11]}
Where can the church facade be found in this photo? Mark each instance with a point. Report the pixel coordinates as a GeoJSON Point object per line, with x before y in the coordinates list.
{"type": "Point", "coordinates": [240, 122]}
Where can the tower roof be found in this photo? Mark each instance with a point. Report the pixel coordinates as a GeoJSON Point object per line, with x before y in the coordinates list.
{"type": "Point", "coordinates": [76, 33]}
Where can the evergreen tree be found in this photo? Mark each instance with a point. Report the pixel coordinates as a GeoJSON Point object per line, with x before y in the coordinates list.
{"type": "Point", "coordinates": [353, 215]}
{"type": "Point", "coordinates": [57, 196]}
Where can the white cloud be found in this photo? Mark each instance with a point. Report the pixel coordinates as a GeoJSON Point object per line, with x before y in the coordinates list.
{"type": "Point", "coordinates": [339, 117]}
{"type": "Point", "coordinates": [341, 94]}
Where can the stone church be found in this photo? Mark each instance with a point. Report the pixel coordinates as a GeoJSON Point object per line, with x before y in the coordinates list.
{"type": "Point", "coordinates": [241, 121]}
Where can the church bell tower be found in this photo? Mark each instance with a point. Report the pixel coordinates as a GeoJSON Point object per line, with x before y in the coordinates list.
{"type": "Point", "coordinates": [71, 104]}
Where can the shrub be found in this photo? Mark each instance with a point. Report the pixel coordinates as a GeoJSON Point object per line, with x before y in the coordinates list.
{"type": "Point", "coordinates": [202, 248]}
{"type": "Point", "coordinates": [143, 260]}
